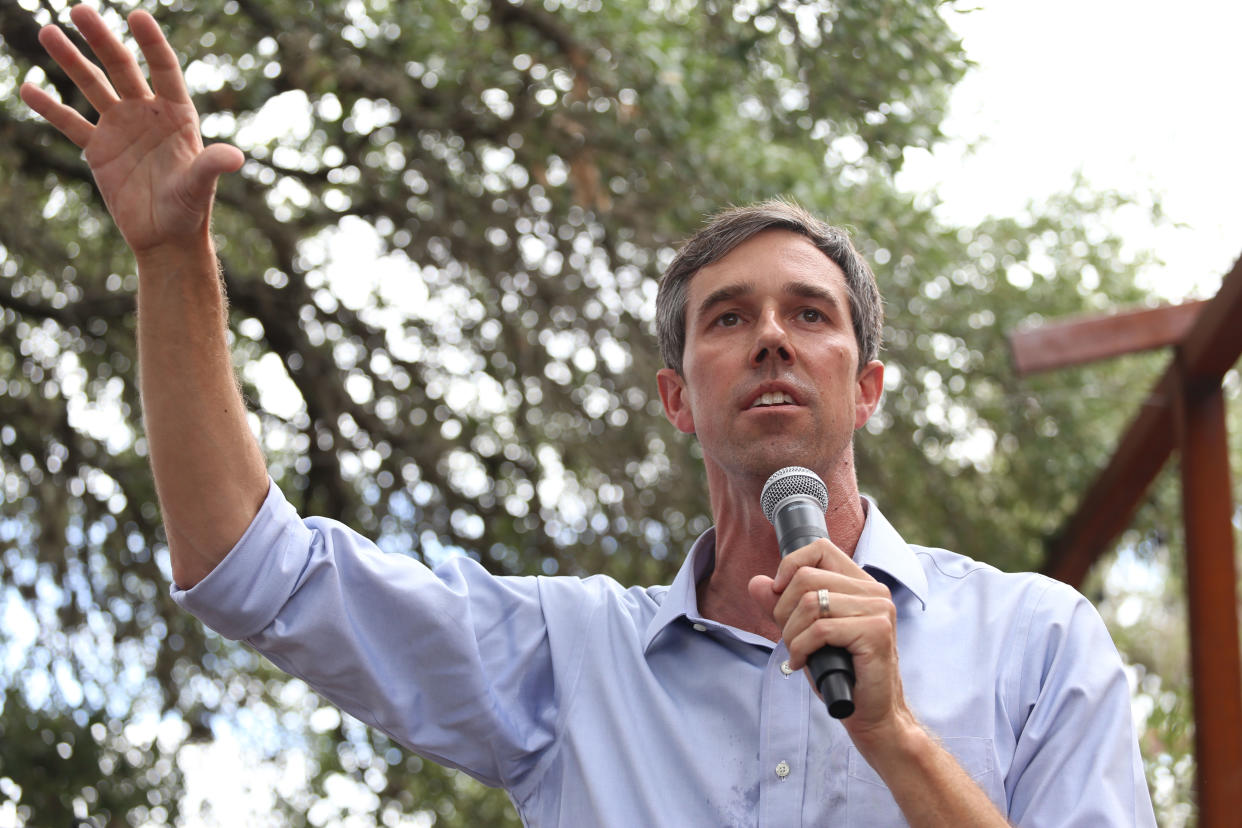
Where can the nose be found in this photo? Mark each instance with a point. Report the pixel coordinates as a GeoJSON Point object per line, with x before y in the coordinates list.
{"type": "Point", "coordinates": [771, 341]}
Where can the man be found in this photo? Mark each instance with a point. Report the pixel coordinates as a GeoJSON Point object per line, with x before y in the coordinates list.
{"type": "Point", "coordinates": [590, 703]}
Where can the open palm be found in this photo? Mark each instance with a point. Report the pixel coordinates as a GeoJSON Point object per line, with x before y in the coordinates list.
{"type": "Point", "coordinates": [145, 152]}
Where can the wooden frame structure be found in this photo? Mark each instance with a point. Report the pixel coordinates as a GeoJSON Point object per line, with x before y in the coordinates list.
{"type": "Point", "coordinates": [1186, 412]}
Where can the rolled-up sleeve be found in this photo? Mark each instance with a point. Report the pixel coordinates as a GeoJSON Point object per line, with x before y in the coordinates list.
{"type": "Point", "coordinates": [453, 663]}
{"type": "Point", "coordinates": [1076, 761]}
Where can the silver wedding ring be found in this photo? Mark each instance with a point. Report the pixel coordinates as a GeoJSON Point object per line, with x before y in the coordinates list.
{"type": "Point", "coordinates": [823, 602]}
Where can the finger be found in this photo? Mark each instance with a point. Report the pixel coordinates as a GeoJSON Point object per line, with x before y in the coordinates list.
{"type": "Point", "coordinates": [820, 554]}
{"type": "Point", "coordinates": [214, 161]}
{"type": "Point", "coordinates": [65, 118]}
{"type": "Point", "coordinates": [866, 634]}
{"type": "Point", "coordinates": [122, 68]}
{"type": "Point", "coordinates": [85, 75]}
{"type": "Point", "coordinates": [807, 612]}
{"type": "Point", "coordinates": [826, 632]}
{"type": "Point", "coordinates": [805, 587]}
{"type": "Point", "coordinates": [812, 555]}
{"type": "Point", "coordinates": [808, 580]}
{"type": "Point", "coordinates": [166, 75]}
{"type": "Point", "coordinates": [762, 593]}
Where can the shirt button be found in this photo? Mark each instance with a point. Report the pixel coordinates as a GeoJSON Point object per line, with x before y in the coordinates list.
{"type": "Point", "coordinates": [785, 668]}
{"type": "Point", "coordinates": [700, 628]}
{"type": "Point", "coordinates": [782, 769]}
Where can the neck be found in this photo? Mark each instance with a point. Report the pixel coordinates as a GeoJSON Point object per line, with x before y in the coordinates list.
{"type": "Point", "coordinates": [746, 542]}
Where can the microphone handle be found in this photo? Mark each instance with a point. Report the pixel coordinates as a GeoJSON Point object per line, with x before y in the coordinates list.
{"type": "Point", "coordinates": [832, 668]}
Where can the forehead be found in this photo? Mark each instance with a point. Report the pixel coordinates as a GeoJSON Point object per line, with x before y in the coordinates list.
{"type": "Point", "coordinates": [770, 261]}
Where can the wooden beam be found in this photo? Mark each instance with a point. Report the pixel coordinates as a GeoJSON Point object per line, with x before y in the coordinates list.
{"type": "Point", "coordinates": [1212, 602]}
{"type": "Point", "coordinates": [1208, 350]}
{"type": "Point", "coordinates": [1077, 341]}
{"type": "Point", "coordinates": [1108, 506]}
{"type": "Point", "coordinates": [1214, 344]}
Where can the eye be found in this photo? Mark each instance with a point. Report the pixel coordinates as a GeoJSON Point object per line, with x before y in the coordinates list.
{"type": "Point", "coordinates": [728, 319]}
{"type": "Point", "coordinates": [810, 315]}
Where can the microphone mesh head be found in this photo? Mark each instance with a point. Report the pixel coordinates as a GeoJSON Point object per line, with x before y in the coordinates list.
{"type": "Point", "coordinates": [791, 480]}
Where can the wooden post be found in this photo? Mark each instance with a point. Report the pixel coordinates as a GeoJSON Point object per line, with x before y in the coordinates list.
{"type": "Point", "coordinates": [1211, 585]}
{"type": "Point", "coordinates": [1187, 412]}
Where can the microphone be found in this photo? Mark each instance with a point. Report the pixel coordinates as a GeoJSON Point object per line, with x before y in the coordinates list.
{"type": "Point", "coordinates": [794, 501]}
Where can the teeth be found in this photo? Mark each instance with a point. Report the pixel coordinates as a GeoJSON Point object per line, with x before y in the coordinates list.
{"type": "Point", "coordinates": [773, 398]}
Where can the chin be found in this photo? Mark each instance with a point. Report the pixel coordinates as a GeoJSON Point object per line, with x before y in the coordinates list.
{"type": "Point", "coordinates": [762, 465]}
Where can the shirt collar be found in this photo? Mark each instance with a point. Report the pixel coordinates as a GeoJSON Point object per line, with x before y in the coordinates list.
{"type": "Point", "coordinates": [682, 598]}
{"type": "Point", "coordinates": [880, 551]}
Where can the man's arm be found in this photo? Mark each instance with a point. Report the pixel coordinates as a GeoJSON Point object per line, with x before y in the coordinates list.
{"type": "Point", "coordinates": [927, 783]}
{"type": "Point", "coordinates": [158, 181]}
{"type": "Point", "coordinates": [1077, 760]}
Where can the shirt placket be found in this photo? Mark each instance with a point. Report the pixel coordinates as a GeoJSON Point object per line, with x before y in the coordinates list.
{"type": "Point", "coordinates": [784, 724]}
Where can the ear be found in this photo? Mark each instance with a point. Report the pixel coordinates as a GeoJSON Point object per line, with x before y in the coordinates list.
{"type": "Point", "coordinates": [870, 386]}
{"type": "Point", "coordinates": [676, 399]}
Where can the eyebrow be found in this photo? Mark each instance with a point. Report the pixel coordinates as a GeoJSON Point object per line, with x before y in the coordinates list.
{"type": "Point", "coordinates": [725, 294]}
{"type": "Point", "coordinates": [804, 290]}
{"type": "Point", "coordinates": [809, 290]}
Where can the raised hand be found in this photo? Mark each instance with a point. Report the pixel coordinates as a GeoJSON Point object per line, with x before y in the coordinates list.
{"type": "Point", "coordinates": [146, 151]}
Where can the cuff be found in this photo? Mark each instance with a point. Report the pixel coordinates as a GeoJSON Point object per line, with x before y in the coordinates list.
{"type": "Point", "coordinates": [246, 590]}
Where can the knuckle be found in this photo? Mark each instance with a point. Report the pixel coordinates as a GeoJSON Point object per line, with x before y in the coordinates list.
{"type": "Point", "coordinates": [788, 566]}
{"type": "Point", "coordinates": [881, 590]}
{"type": "Point", "coordinates": [814, 637]}
{"type": "Point", "coordinates": [821, 546]}
{"type": "Point", "coordinates": [881, 626]}
{"type": "Point", "coordinates": [797, 580]}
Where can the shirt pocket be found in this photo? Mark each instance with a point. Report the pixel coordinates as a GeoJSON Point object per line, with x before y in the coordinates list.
{"type": "Point", "coordinates": [868, 802]}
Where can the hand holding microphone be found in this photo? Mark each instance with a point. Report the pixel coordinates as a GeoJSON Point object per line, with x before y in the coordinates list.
{"type": "Point", "coordinates": [794, 500]}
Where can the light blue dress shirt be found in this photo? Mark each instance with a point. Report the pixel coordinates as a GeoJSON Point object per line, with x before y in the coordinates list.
{"type": "Point", "coordinates": [596, 704]}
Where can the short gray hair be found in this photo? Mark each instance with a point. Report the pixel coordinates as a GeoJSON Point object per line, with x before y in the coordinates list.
{"type": "Point", "coordinates": [730, 228]}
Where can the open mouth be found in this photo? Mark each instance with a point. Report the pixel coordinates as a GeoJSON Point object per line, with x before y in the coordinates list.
{"type": "Point", "coordinates": [772, 398]}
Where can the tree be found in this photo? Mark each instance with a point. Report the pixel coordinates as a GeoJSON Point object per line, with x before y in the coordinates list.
{"type": "Point", "coordinates": [441, 256]}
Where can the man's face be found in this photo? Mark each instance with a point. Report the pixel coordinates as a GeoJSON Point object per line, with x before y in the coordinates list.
{"type": "Point", "coordinates": [770, 370]}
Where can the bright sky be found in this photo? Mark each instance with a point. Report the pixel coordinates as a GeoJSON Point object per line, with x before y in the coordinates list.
{"type": "Point", "coordinates": [1140, 96]}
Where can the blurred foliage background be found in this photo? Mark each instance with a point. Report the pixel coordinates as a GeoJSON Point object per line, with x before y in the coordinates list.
{"type": "Point", "coordinates": [441, 257]}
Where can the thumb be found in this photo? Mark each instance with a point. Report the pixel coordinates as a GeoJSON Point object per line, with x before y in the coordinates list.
{"type": "Point", "coordinates": [214, 161]}
{"type": "Point", "coordinates": [763, 592]}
